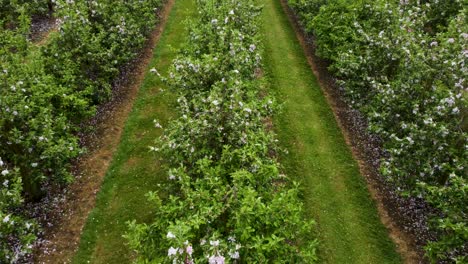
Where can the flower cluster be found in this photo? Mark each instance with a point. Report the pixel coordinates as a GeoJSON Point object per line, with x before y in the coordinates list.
{"type": "Point", "coordinates": [15, 231]}
{"type": "Point", "coordinates": [228, 200]}
{"type": "Point", "coordinates": [403, 64]}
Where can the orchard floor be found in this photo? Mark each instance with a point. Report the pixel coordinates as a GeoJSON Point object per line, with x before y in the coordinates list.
{"type": "Point", "coordinates": [336, 195]}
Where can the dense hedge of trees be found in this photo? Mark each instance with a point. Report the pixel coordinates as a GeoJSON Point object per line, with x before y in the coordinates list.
{"type": "Point", "coordinates": [227, 200]}
{"type": "Point", "coordinates": [46, 92]}
{"type": "Point", "coordinates": [404, 65]}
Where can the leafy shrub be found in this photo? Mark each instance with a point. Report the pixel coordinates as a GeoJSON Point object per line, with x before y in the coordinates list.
{"type": "Point", "coordinates": [15, 231]}
{"type": "Point", "coordinates": [404, 66]}
{"type": "Point", "coordinates": [46, 93]}
{"type": "Point", "coordinates": [228, 200]}
{"type": "Point", "coordinates": [10, 10]}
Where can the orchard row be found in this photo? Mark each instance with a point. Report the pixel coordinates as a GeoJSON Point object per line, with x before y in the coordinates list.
{"type": "Point", "coordinates": [225, 199]}
{"type": "Point", "coordinates": [404, 65]}
{"type": "Point", "coordinates": [47, 92]}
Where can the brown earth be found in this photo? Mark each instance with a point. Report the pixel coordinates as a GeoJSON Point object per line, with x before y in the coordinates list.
{"type": "Point", "coordinates": [61, 240]}
{"type": "Point", "coordinates": [41, 28]}
{"type": "Point", "coordinates": [366, 149]}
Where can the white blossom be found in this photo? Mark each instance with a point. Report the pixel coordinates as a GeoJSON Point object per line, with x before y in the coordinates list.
{"type": "Point", "coordinates": [6, 219]}
{"type": "Point", "coordinates": [172, 251]}
{"type": "Point", "coordinates": [171, 177]}
{"type": "Point", "coordinates": [170, 235]}
{"type": "Point", "coordinates": [216, 260]}
{"type": "Point", "coordinates": [157, 124]}
{"type": "Point", "coordinates": [234, 255]}
{"type": "Point", "coordinates": [153, 70]}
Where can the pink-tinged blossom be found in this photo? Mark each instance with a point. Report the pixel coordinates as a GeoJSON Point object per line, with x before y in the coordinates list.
{"type": "Point", "coordinates": [216, 260]}
{"type": "Point", "coordinates": [172, 251]}
{"type": "Point", "coordinates": [189, 250]}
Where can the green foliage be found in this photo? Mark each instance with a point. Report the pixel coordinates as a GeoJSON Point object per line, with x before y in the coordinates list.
{"type": "Point", "coordinates": [306, 10]}
{"type": "Point", "coordinates": [15, 231]}
{"type": "Point", "coordinates": [404, 66]}
{"type": "Point", "coordinates": [228, 199]}
{"type": "Point", "coordinates": [46, 94]}
{"type": "Point", "coordinates": [11, 10]}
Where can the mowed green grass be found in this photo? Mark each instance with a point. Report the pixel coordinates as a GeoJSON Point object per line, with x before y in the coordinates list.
{"type": "Point", "coordinates": [134, 171]}
{"type": "Point", "coordinates": [336, 196]}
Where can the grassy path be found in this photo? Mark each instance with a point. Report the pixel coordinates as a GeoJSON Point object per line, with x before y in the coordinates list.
{"type": "Point", "coordinates": [336, 195]}
{"type": "Point", "coordinates": [133, 171]}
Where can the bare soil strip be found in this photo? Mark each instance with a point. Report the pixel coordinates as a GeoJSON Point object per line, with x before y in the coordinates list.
{"type": "Point", "coordinates": [62, 240]}
{"type": "Point", "coordinates": [41, 28]}
{"type": "Point", "coordinates": [365, 149]}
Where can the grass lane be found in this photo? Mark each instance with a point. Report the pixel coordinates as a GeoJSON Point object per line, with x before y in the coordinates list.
{"type": "Point", "coordinates": [134, 171]}
{"type": "Point", "coordinates": [336, 195]}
